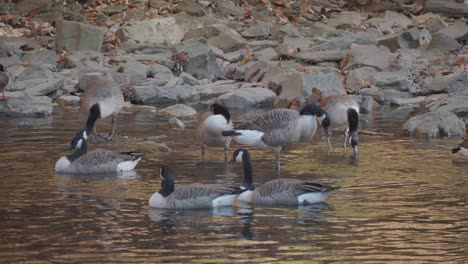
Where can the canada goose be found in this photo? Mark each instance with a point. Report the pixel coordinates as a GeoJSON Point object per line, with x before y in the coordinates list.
{"type": "Point", "coordinates": [4, 81]}
{"type": "Point", "coordinates": [279, 128]}
{"type": "Point", "coordinates": [191, 196]}
{"type": "Point", "coordinates": [101, 98]}
{"type": "Point", "coordinates": [344, 113]}
{"type": "Point", "coordinates": [95, 161]}
{"type": "Point", "coordinates": [462, 148]}
{"type": "Point", "coordinates": [279, 191]}
{"type": "Point", "coordinates": [210, 127]}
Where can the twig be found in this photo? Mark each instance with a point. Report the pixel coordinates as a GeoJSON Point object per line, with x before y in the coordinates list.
{"type": "Point", "coordinates": [373, 133]}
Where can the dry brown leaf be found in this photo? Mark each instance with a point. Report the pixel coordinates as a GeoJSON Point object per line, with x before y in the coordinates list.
{"type": "Point", "coordinates": [344, 61]}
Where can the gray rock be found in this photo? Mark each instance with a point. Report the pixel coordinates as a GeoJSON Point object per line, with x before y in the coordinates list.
{"type": "Point", "coordinates": [69, 100]}
{"type": "Point", "coordinates": [393, 95]}
{"type": "Point", "coordinates": [44, 56]}
{"type": "Point", "coordinates": [190, 7]}
{"type": "Point", "coordinates": [267, 54]}
{"type": "Point", "coordinates": [255, 72]}
{"type": "Point", "coordinates": [258, 29]}
{"type": "Point", "coordinates": [247, 97]}
{"type": "Point", "coordinates": [313, 56]}
{"type": "Point", "coordinates": [398, 41]}
{"type": "Point", "coordinates": [389, 20]}
{"type": "Point", "coordinates": [453, 8]}
{"type": "Point", "coordinates": [26, 7]}
{"type": "Point", "coordinates": [234, 56]}
{"type": "Point", "coordinates": [458, 84]}
{"type": "Point", "coordinates": [164, 148]}
{"type": "Point", "coordinates": [443, 42]}
{"type": "Point", "coordinates": [372, 56]}
{"type": "Point", "coordinates": [159, 31]}
{"type": "Point", "coordinates": [189, 79]}
{"type": "Point", "coordinates": [457, 31]}
{"type": "Point", "coordinates": [345, 19]}
{"type": "Point", "coordinates": [160, 74]}
{"type": "Point", "coordinates": [226, 7]}
{"type": "Point", "coordinates": [181, 111]}
{"type": "Point", "coordinates": [227, 40]}
{"type": "Point", "coordinates": [23, 85]}
{"type": "Point", "coordinates": [159, 4]}
{"type": "Point", "coordinates": [286, 30]}
{"type": "Point", "coordinates": [72, 36]}
{"type": "Point", "coordinates": [46, 88]}
{"type": "Point", "coordinates": [292, 45]}
{"type": "Point", "coordinates": [376, 93]}
{"type": "Point", "coordinates": [406, 101]}
{"type": "Point", "coordinates": [202, 63]}
{"type": "Point", "coordinates": [34, 106]}
{"type": "Point", "coordinates": [155, 95]}
{"type": "Point", "coordinates": [328, 80]}
{"type": "Point", "coordinates": [312, 30]}
{"type": "Point", "coordinates": [136, 68]}
{"type": "Point", "coordinates": [262, 44]}
{"type": "Point", "coordinates": [176, 123]}
{"type": "Point", "coordinates": [85, 76]}
{"type": "Point", "coordinates": [441, 123]}
{"type": "Point", "coordinates": [214, 90]}
{"type": "Point", "coordinates": [366, 105]}
{"type": "Point", "coordinates": [36, 71]}
{"type": "Point", "coordinates": [81, 58]}
{"type": "Point", "coordinates": [455, 104]}
{"type": "Point", "coordinates": [360, 38]}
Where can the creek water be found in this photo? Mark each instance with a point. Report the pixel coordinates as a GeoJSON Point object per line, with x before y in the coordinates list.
{"type": "Point", "coordinates": [404, 200]}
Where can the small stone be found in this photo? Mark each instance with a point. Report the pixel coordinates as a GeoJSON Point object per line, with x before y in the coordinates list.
{"type": "Point", "coordinates": [176, 123]}
{"type": "Point", "coordinates": [164, 148]}
{"type": "Point", "coordinates": [440, 123]}
{"type": "Point", "coordinates": [180, 111]}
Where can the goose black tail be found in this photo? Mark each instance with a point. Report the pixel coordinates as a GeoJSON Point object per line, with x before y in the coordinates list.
{"type": "Point", "coordinates": [455, 150]}
{"type": "Point", "coordinates": [230, 133]}
{"type": "Point", "coordinates": [353, 120]}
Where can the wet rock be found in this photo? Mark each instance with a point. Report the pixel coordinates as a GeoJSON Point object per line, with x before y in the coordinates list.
{"type": "Point", "coordinates": [189, 79]}
{"type": "Point", "coordinates": [443, 42]}
{"type": "Point", "coordinates": [190, 7]}
{"type": "Point", "coordinates": [202, 63]}
{"type": "Point", "coordinates": [258, 29]}
{"type": "Point", "coordinates": [267, 54]}
{"type": "Point", "coordinates": [176, 123]}
{"type": "Point", "coordinates": [69, 100]}
{"type": "Point", "coordinates": [34, 106]}
{"type": "Point", "coordinates": [44, 56]}
{"type": "Point", "coordinates": [313, 56]}
{"type": "Point", "coordinates": [86, 76]}
{"type": "Point", "coordinates": [36, 71]}
{"type": "Point", "coordinates": [181, 111]}
{"type": "Point", "coordinates": [360, 38]}
{"type": "Point", "coordinates": [46, 88]}
{"type": "Point", "coordinates": [159, 31]}
{"type": "Point", "coordinates": [366, 105]}
{"type": "Point", "coordinates": [247, 97]}
{"type": "Point", "coordinates": [372, 56]}
{"type": "Point", "coordinates": [72, 36]}
{"type": "Point", "coordinates": [456, 104]}
{"type": "Point", "coordinates": [406, 101]}
{"type": "Point", "coordinates": [441, 123]}
{"type": "Point", "coordinates": [155, 95]}
{"type": "Point", "coordinates": [347, 19]}
{"type": "Point", "coordinates": [214, 90]}
{"type": "Point", "coordinates": [220, 36]}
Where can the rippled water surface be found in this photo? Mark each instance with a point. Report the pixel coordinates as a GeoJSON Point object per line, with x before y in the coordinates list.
{"type": "Point", "coordinates": [404, 200]}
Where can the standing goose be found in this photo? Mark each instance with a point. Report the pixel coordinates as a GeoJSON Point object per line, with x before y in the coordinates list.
{"type": "Point", "coordinates": [279, 191]}
{"type": "Point", "coordinates": [191, 196]}
{"type": "Point", "coordinates": [344, 113]}
{"type": "Point", "coordinates": [4, 81]}
{"type": "Point", "coordinates": [210, 127]}
{"type": "Point", "coordinates": [101, 98]}
{"type": "Point", "coordinates": [95, 161]}
{"type": "Point", "coordinates": [462, 148]}
{"type": "Point", "coordinates": [279, 128]}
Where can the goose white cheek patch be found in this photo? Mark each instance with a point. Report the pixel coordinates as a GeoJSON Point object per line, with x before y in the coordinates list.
{"type": "Point", "coordinates": [78, 145]}
{"type": "Point", "coordinates": [239, 156]}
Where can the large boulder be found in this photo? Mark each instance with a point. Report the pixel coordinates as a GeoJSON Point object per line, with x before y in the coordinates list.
{"type": "Point", "coordinates": [440, 123]}
{"type": "Point", "coordinates": [160, 30]}
{"type": "Point", "coordinates": [43, 56]}
{"type": "Point", "coordinates": [155, 95]}
{"type": "Point", "coordinates": [46, 88]}
{"type": "Point", "coordinates": [202, 63]}
{"type": "Point", "coordinates": [30, 106]}
{"type": "Point", "coordinates": [73, 36]}
{"type": "Point", "coordinates": [378, 57]}
{"type": "Point", "coordinates": [247, 97]}
{"type": "Point", "coordinates": [181, 111]}
{"type": "Point", "coordinates": [36, 71]}
{"type": "Point", "coordinates": [216, 89]}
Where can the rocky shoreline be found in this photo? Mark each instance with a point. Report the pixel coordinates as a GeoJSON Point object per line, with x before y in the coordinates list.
{"type": "Point", "coordinates": [177, 54]}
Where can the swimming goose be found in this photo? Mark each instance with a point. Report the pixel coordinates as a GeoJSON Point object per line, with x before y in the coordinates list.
{"type": "Point", "coordinates": [191, 196]}
{"type": "Point", "coordinates": [210, 127]}
{"type": "Point", "coordinates": [279, 128]}
{"type": "Point", "coordinates": [344, 113]}
{"type": "Point", "coordinates": [95, 161]}
{"type": "Point", "coordinates": [462, 148]}
{"type": "Point", "coordinates": [4, 81]}
{"type": "Point", "coordinates": [101, 98]}
{"type": "Point", "coordinates": [280, 191]}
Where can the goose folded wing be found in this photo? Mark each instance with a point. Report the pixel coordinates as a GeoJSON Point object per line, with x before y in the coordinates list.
{"type": "Point", "coordinates": [197, 195]}
{"type": "Point", "coordinates": [275, 119]}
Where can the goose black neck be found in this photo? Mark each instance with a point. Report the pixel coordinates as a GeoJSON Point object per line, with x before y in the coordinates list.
{"type": "Point", "coordinates": [248, 172]}
{"type": "Point", "coordinates": [312, 109]}
{"type": "Point", "coordinates": [94, 114]}
{"type": "Point", "coordinates": [1, 68]}
{"type": "Point", "coordinates": [353, 120]}
{"type": "Point", "coordinates": [80, 152]}
{"type": "Point", "coordinates": [221, 110]}
{"type": "Point", "coordinates": [167, 186]}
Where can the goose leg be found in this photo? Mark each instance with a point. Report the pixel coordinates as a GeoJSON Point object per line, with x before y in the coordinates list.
{"type": "Point", "coordinates": [202, 147]}
{"type": "Point", "coordinates": [328, 143]}
{"type": "Point", "coordinates": [277, 157]}
{"type": "Point", "coordinates": [346, 138]}
{"type": "Point", "coordinates": [226, 148]}
{"type": "Point", "coordinates": [4, 97]}
{"type": "Point", "coordinates": [111, 136]}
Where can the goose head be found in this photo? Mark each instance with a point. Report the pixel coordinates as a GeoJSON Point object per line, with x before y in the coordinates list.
{"type": "Point", "coordinates": [319, 113]}
{"type": "Point", "coordinates": [167, 181]}
{"type": "Point", "coordinates": [243, 156]}
{"type": "Point", "coordinates": [78, 141]}
{"type": "Point", "coordinates": [218, 109]}
{"type": "Point", "coordinates": [2, 69]}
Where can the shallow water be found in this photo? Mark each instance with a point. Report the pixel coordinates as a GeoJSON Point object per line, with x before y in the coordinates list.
{"type": "Point", "coordinates": [404, 200]}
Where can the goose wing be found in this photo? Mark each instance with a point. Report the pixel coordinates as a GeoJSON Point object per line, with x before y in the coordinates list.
{"type": "Point", "coordinates": [198, 195]}
{"type": "Point", "coordinates": [101, 160]}
{"type": "Point", "coordinates": [4, 80]}
{"type": "Point", "coordinates": [280, 191]}
{"type": "Point", "coordinates": [201, 122]}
